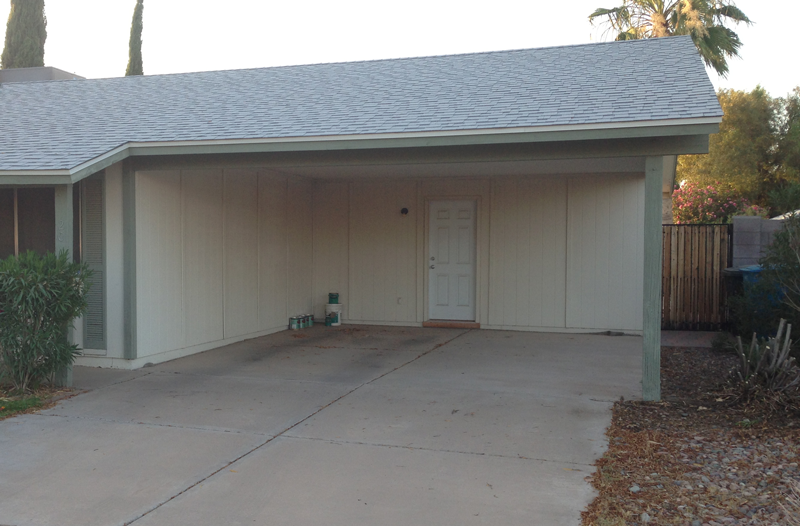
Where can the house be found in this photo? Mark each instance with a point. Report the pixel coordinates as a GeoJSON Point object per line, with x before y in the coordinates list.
{"type": "Point", "coordinates": [513, 190]}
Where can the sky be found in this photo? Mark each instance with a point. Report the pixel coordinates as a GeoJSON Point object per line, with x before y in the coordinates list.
{"type": "Point", "coordinates": [90, 37]}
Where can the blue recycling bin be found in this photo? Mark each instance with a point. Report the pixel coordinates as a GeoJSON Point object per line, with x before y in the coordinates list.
{"type": "Point", "coordinates": [750, 273]}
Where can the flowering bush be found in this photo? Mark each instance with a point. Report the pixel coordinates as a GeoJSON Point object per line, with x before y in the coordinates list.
{"type": "Point", "coordinates": [717, 203]}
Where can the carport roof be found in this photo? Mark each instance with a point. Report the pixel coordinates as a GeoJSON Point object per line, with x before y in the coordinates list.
{"type": "Point", "coordinates": [61, 127]}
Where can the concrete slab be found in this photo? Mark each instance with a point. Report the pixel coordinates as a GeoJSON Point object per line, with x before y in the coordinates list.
{"type": "Point", "coordinates": [291, 482]}
{"type": "Point", "coordinates": [360, 337]}
{"type": "Point", "coordinates": [205, 402]}
{"type": "Point", "coordinates": [80, 472]}
{"type": "Point", "coordinates": [466, 420]}
{"type": "Point", "coordinates": [322, 362]}
{"type": "Point", "coordinates": [558, 365]}
{"type": "Point", "coordinates": [424, 426]}
{"type": "Point", "coordinates": [90, 378]}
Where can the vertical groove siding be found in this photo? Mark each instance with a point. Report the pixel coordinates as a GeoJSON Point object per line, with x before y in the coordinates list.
{"type": "Point", "coordinates": [383, 250]}
{"type": "Point", "coordinates": [203, 260]}
{"type": "Point", "coordinates": [220, 254]}
{"type": "Point", "coordinates": [241, 252]}
{"type": "Point", "coordinates": [528, 254]}
{"type": "Point", "coordinates": [331, 244]}
{"type": "Point", "coordinates": [226, 253]}
{"type": "Point", "coordinates": [605, 245]}
{"type": "Point", "coordinates": [159, 262]}
{"type": "Point", "coordinates": [300, 252]}
{"type": "Point", "coordinates": [273, 253]}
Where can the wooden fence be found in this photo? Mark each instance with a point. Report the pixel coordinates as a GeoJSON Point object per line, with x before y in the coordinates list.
{"type": "Point", "coordinates": [692, 291]}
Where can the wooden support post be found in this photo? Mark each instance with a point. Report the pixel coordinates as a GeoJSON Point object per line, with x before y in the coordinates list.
{"type": "Point", "coordinates": [64, 242]}
{"type": "Point", "coordinates": [651, 331]}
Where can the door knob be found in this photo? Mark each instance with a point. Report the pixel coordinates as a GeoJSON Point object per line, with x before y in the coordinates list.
{"type": "Point", "coordinates": [433, 266]}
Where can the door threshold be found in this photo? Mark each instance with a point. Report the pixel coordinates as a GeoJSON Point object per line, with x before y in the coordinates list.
{"type": "Point", "coordinates": [451, 324]}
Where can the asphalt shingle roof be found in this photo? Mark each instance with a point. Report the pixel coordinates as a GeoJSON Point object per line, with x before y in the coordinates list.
{"type": "Point", "coordinates": [61, 124]}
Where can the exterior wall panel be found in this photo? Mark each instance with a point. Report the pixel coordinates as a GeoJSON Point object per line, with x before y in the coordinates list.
{"type": "Point", "coordinates": [383, 252]}
{"type": "Point", "coordinates": [272, 251]}
{"type": "Point", "coordinates": [241, 252]}
{"type": "Point", "coordinates": [301, 256]}
{"type": "Point", "coordinates": [223, 254]}
{"type": "Point", "coordinates": [203, 261]}
{"type": "Point", "coordinates": [605, 251]}
{"type": "Point", "coordinates": [528, 253]}
{"type": "Point", "coordinates": [159, 261]}
{"type": "Point", "coordinates": [331, 208]}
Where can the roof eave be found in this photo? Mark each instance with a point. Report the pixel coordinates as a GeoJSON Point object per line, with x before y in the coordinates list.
{"type": "Point", "coordinates": [561, 133]}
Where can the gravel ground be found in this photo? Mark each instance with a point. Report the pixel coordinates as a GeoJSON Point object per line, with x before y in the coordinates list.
{"type": "Point", "coordinates": [701, 457]}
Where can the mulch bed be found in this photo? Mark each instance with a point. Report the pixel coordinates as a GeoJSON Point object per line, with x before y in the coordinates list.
{"type": "Point", "coordinates": [46, 397]}
{"type": "Point", "coordinates": [701, 457]}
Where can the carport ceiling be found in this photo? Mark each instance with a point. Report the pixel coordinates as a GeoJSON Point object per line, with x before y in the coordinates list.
{"type": "Point", "coordinates": [469, 169]}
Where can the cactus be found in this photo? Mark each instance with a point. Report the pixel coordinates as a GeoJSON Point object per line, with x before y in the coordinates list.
{"type": "Point", "coordinates": [767, 364]}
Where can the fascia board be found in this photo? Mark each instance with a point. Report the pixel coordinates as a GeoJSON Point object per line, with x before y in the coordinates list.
{"type": "Point", "coordinates": [447, 138]}
{"type": "Point", "coordinates": [35, 177]}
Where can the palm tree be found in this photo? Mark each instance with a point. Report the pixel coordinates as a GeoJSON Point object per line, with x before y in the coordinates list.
{"type": "Point", "coordinates": [703, 20]}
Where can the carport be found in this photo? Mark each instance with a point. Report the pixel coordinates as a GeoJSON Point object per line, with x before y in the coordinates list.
{"type": "Point", "coordinates": [513, 190]}
{"type": "Point", "coordinates": [337, 426]}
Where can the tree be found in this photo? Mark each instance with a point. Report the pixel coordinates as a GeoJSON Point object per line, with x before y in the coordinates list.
{"type": "Point", "coordinates": [135, 66]}
{"type": "Point", "coordinates": [25, 35]}
{"type": "Point", "coordinates": [704, 20]}
{"type": "Point", "coordinates": [788, 148]}
{"type": "Point", "coordinates": [743, 153]}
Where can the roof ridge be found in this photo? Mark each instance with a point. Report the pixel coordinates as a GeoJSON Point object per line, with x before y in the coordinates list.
{"type": "Point", "coordinates": [384, 60]}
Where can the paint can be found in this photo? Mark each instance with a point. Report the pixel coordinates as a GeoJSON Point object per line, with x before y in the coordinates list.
{"type": "Point", "coordinates": [333, 298]}
{"type": "Point", "coordinates": [294, 323]}
{"type": "Point", "coordinates": [310, 320]}
{"type": "Point", "coordinates": [334, 310]}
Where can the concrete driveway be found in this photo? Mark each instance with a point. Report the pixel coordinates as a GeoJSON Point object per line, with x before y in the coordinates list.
{"type": "Point", "coordinates": [349, 426]}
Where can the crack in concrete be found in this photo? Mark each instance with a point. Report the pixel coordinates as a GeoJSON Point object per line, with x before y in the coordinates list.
{"type": "Point", "coordinates": [256, 448]}
{"type": "Point", "coordinates": [435, 450]}
{"type": "Point", "coordinates": [136, 377]}
{"type": "Point", "coordinates": [156, 424]}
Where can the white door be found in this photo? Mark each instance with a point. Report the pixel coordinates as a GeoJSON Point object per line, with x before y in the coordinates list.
{"type": "Point", "coordinates": [451, 262]}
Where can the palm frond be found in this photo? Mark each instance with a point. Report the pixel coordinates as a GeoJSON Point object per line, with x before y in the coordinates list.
{"type": "Point", "coordinates": [704, 20]}
{"type": "Point", "coordinates": [718, 45]}
{"type": "Point", "coordinates": [731, 12]}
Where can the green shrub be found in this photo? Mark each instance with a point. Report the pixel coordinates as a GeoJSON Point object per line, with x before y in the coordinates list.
{"type": "Point", "coordinates": [781, 262]}
{"type": "Point", "coordinates": [776, 293]}
{"type": "Point", "coordinates": [759, 308]}
{"type": "Point", "coordinates": [40, 296]}
{"type": "Point", "coordinates": [723, 342]}
{"type": "Point", "coordinates": [785, 198]}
